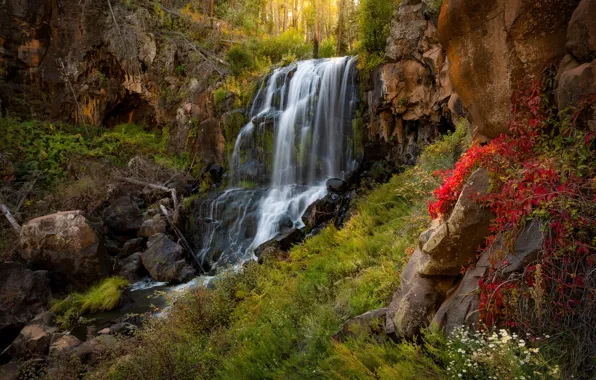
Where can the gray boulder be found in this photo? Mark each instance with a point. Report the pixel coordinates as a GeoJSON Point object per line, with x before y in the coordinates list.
{"type": "Point", "coordinates": [164, 260]}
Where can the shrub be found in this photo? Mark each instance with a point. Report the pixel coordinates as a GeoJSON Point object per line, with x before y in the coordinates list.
{"type": "Point", "coordinates": [219, 95]}
{"type": "Point", "coordinates": [101, 297]}
{"type": "Point", "coordinates": [239, 59]}
{"type": "Point", "coordinates": [328, 48]}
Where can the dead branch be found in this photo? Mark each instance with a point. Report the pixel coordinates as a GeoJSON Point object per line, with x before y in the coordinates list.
{"type": "Point", "coordinates": [204, 52]}
{"type": "Point", "coordinates": [147, 184]}
{"type": "Point", "coordinates": [11, 220]}
{"type": "Point", "coordinates": [25, 195]}
{"type": "Point", "coordinates": [114, 18]}
{"type": "Point", "coordinates": [181, 239]}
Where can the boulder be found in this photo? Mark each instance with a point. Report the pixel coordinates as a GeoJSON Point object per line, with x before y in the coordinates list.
{"type": "Point", "coordinates": [131, 267]}
{"type": "Point", "coordinates": [284, 240]}
{"type": "Point", "coordinates": [581, 32]}
{"type": "Point", "coordinates": [23, 294]}
{"type": "Point", "coordinates": [153, 226]}
{"type": "Point", "coordinates": [416, 301]}
{"type": "Point", "coordinates": [454, 243]}
{"type": "Point", "coordinates": [164, 260]}
{"type": "Point", "coordinates": [512, 42]}
{"type": "Point", "coordinates": [337, 185]}
{"type": "Point", "coordinates": [460, 308]}
{"type": "Point", "coordinates": [576, 84]}
{"type": "Point", "coordinates": [63, 344]}
{"type": "Point", "coordinates": [130, 246]}
{"type": "Point", "coordinates": [371, 323]}
{"type": "Point", "coordinates": [65, 244]}
{"type": "Point", "coordinates": [123, 216]}
{"type": "Point", "coordinates": [321, 211]}
{"type": "Point", "coordinates": [34, 339]}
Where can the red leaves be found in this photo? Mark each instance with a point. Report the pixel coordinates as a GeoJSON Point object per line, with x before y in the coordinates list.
{"type": "Point", "coordinates": [527, 183]}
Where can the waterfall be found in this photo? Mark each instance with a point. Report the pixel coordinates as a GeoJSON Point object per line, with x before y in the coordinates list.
{"type": "Point", "coordinates": [299, 135]}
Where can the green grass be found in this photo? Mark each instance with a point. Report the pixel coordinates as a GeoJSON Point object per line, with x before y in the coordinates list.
{"type": "Point", "coordinates": [275, 320]}
{"type": "Point", "coordinates": [101, 297]}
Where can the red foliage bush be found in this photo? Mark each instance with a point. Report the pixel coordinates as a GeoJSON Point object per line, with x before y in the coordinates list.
{"type": "Point", "coordinates": [544, 169]}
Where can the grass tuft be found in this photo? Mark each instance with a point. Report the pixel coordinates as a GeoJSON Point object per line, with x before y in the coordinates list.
{"type": "Point", "coordinates": [101, 297]}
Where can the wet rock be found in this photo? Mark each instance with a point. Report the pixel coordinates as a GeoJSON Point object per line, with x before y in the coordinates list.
{"type": "Point", "coordinates": [153, 226]}
{"type": "Point", "coordinates": [164, 260]}
{"type": "Point", "coordinates": [63, 344]}
{"type": "Point", "coordinates": [513, 43]}
{"type": "Point", "coordinates": [320, 211]}
{"type": "Point", "coordinates": [453, 243]}
{"type": "Point", "coordinates": [65, 244]}
{"type": "Point", "coordinates": [371, 323]}
{"type": "Point", "coordinates": [130, 246]}
{"type": "Point", "coordinates": [23, 294]}
{"type": "Point", "coordinates": [337, 185]}
{"type": "Point", "coordinates": [34, 339]}
{"type": "Point", "coordinates": [131, 268]}
{"type": "Point", "coordinates": [123, 216]}
{"type": "Point", "coordinates": [281, 242]}
{"type": "Point", "coordinates": [581, 32]}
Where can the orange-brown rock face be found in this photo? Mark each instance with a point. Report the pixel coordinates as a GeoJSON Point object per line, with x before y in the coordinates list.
{"type": "Point", "coordinates": [497, 47]}
{"type": "Point", "coordinates": [69, 61]}
{"type": "Point", "coordinates": [408, 100]}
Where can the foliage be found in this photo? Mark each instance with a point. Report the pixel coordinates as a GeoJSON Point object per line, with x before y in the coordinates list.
{"type": "Point", "coordinates": [49, 151]}
{"type": "Point", "coordinates": [275, 320]}
{"type": "Point", "coordinates": [499, 355]}
{"type": "Point", "coordinates": [328, 48]}
{"type": "Point", "coordinates": [101, 297]}
{"type": "Point", "coordinates": [543, 170]}
{"type": "Point", "coordinates": [274, 48]}
{"type": "Point", "coordinates": [374, 22]}
{"type": "Point", "coordinates": [433, 7]}
{"type": "Point", "coordinates": [219, 95]}
{"type": "Point", "coordinates": [239, 60]}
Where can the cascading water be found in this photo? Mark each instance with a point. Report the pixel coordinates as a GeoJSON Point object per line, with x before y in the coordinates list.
{"type": "Point", "coordinates": [299, 135]}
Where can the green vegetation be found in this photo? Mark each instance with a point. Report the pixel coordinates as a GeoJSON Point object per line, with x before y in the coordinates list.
{"type": "Point", "coordinates": [50, 152]}
{"type": "Point", "coordinates": [374, 22]}
{"type": "Point", "coordinates": [101, 297]}
{"type": "Point", "coordinates": [275, 320]}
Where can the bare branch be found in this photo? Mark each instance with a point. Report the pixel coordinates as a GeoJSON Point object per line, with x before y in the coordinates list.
{"type": "Point", "coordinates": [6, 211]}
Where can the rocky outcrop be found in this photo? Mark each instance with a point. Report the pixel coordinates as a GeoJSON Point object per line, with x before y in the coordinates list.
{"type": "Point", "coordinates": [432, 288]}
{"type": "Point", "coordinates": [131, 267]}
{"type": "Point", "coordinates": [24, 294]}
{"type": "Point", "coordinates": [416, 301]}
{"type": "Point", "coordinates": [453, 244]}
{"type": "Point", "coordinates": [165, 261]}
{"type": "Point", "coordinates": [65, 244]}
{"type": "Point", "coordinates": [123, 216]}
{"type": "Point", "coordinates": [576, 78]}
{"type": "Point", "coordinates": [495, 48]}
{"type": "Point", "coordinates": [408, 97]}
{"type": "Point", "coordinates": [84, 62]}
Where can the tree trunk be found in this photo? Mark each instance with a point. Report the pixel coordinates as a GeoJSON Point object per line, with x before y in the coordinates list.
{"type": "Point", "coordinates": [340, 26]}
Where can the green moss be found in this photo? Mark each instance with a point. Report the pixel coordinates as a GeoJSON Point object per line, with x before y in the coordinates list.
{"type": "Point", "coordinates": [101, 297]}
